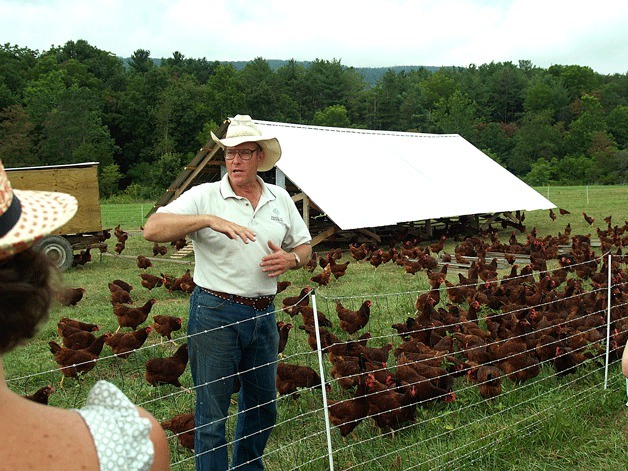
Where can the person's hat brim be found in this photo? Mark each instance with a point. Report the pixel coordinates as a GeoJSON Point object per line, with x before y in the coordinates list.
{"type": "Point", "coordinates": [42, 212]}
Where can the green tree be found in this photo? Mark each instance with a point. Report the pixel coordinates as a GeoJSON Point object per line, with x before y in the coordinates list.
{"type": "Point", "coordinates": [573, 170]}
{"type": "Point", "coordinates": [204, 135]}
{"type": "Point", "coordinates": [610, 167]}
{"type": "Point", "coordinates": [258, 84]}
{"type": "Point", "coordinates": [436, 87]}
{"type": "Point", "coordinates": [109, 180]}
{"type": "Point", "coordinates": [614, 91]}
{"type": "Point", "coordinates": [506, 84]}
{"type": "Point", "coordinates": [412, 115]}
{"type": "Point", "coordinates": [167, 167]}
{"type": "Point", "coordinates": [133, 119]}
{"type": "Point", "coordinates": [535, 139]}
{"type": "Point", "coordinates": [177, 61]}
{"type": "Point", "coordinates": [456, 114]}
{"type": "Point", "coordinates": [577, 79]}
{"type": "Point", "coordinates": [543, 94]}
{"type": "Point", "coordinates": [43, 95]}
{"type": "Point", "coordinates": [387, 98]}
{"type": "Point", "coordinates": [590, 121]}
{"type": "Point", "coordinates": [540, 173]}
{"type": "Point", "coordinates": [225, 98]}
{"type": "Point", "coordinates": [141, 62]}
{"type": "Point", "coordinates": [16, 141]}
{"type": "Point", "coordinates": [15, 66]}
{"type": "Point", "coordinates": [103, 65]}
{"type": "Point", "coordinates": [330, 83]}
{"type": "Point", "coordinates": [200, 69]}
{"type": "Point", "coordinates": [292, 85]}
{"type": "Point", "coordinates": [179, 114]}
{"type": "Point", "coordinates": [334, 116]}
{"type": "Point", "coordinates": [493, 139]}
{"type": "Point", "coordinates": [617, 122]}
{"type": "Point", "coordinates": [73, 131]}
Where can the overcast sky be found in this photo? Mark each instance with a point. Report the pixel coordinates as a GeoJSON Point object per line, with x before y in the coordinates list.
{"type": "Point", "coordinates": [359, 33]}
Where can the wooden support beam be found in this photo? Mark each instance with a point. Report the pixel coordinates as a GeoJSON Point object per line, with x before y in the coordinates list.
{"type": "Point", "coordinates": [306, 211]}
{"type": "Point", "coordinates": [298, 197]}
{"type": "Point", "coordinates": [306, 207]}
{"type": "Point", "coordinates": [491, 220]}
{"type": "Point", "coordinates": [324, 235]}
{"type": "Point", "coordinates": [193, 174]}
{"type": "Point", "coordinates": [428, 227]}
{"type": "Point", "coordinates": [370, 234]}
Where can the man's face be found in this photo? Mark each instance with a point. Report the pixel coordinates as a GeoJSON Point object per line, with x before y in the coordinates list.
{"type": "Point", "coordinates": [242, 162]}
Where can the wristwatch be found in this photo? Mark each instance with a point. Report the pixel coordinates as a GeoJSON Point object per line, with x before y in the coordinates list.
{"type": "Point", "coordinates": [297, 258]}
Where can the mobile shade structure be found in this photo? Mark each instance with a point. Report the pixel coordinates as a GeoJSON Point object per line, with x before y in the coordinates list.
{"type": "Point", "coordinates": [354, 179]}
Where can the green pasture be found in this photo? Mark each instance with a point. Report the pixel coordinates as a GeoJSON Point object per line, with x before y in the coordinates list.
{"type": "Point", "coordinates": [548, 423]}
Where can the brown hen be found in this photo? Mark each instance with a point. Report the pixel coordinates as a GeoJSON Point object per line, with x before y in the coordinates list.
{"type": "Point", "coordinates": [167, 370]}
{"type": "Point", "coordinates": [123, 344]}
{"type": "Point", "coordinates": [182, 426]}
{"type": "Point", "coordinates": [351, 321]}
{"type": "Point", "coordinates": [132, 317]}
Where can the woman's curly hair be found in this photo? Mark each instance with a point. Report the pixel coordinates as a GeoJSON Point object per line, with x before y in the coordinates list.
{"type": "Point", "coordinates": [26, 292]}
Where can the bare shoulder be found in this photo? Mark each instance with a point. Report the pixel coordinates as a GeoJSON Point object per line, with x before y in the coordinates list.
{"type": "Point", "coordinates": [44, 437]}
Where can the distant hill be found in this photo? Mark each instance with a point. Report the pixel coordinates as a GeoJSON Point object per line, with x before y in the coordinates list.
{"type": "Point", "coordinates": [371, 75]}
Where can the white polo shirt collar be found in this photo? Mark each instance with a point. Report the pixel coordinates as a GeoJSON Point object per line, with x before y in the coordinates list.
{"type": "Point", "coordinates": [227, 192]}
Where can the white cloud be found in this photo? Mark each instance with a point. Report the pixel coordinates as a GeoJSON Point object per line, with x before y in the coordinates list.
{"type": "Point", "coordinates": [357, 32]}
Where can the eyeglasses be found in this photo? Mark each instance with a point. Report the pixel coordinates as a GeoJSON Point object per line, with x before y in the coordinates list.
{"type": "Point", "coordinates": [245, 154]}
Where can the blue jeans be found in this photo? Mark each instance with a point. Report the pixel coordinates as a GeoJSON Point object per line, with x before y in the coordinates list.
{"type": "Point", "coordinates": [229, 341]}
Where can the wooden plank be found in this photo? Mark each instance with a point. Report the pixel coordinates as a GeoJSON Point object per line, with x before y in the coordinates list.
{"type": "Point", "coordinates": [565, 249]}
{"type": "Point", "coordinates": [324, 235]}
{"type": "Point", "coordinates": [299, 197]}
{"type": "Point", "coordinates": [492, 219]}
{"type": "Point", "coordinates": [306, 211]}
{"type": "Point", "coordinates": [193, 173]}
{"type": "Point", "coordinates": [184, 252]}
{"type": "Point", "coordinates": [81, 181]}
{"type": "Point", "coordinates": [371, 234]}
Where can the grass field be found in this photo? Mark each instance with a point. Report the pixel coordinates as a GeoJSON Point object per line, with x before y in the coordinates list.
{"type": "Point", "coordinates": [547, 424]}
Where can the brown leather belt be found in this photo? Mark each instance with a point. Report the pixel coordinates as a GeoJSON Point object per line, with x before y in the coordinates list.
{"type": "Point", "coordinates": [259, 304]}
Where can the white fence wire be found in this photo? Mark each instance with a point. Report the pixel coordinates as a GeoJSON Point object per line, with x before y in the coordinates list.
{"type": "Point", "coordinates": [434, 433]}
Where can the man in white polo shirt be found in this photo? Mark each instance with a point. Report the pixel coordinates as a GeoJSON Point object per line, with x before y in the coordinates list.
{"type": "Point", "coordinates": [245, 234]}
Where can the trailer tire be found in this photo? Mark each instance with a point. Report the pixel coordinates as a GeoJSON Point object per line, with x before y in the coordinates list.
{"type": "Point", "coordinates": [58, 249]}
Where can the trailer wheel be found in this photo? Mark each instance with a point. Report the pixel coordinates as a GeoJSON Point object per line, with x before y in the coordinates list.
{"type": "Point", "coordinates": [58, 249]}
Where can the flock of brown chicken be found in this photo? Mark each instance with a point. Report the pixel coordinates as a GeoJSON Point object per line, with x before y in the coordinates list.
{"type": "Point", "coordinates": [482, 328]}
{"type": "Point", "coordinates": [80, 348]}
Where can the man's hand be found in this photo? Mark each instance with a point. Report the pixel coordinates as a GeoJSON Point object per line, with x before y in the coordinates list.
{"type": "Point", "coordinates": [277, 262]}
{"type": "Point", "coordinates": [231, 229]}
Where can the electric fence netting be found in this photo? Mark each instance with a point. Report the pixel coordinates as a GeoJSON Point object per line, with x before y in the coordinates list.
{"type": "Point", "coordinates": [425, 379]}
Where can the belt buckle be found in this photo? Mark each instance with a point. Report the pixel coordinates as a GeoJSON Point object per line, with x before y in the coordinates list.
{"type": "Point", "coordinates": [262, 302]}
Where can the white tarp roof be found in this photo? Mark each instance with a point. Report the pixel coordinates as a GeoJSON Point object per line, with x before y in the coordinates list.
{"type": "Point", "coordinates": [362, 178]}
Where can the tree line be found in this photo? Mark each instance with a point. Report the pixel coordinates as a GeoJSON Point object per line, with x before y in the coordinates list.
{"type": "Point", "coordinates": [144, 119]}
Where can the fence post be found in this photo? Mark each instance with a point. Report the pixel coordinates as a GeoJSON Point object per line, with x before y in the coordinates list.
{"type": "Point", "coordinates": [322, 373]}
{"type": "Point", "coordinates": [608, 321]}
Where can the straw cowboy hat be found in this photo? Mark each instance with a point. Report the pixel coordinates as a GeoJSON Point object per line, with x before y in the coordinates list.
{"type": "Point", "coordinates": [27, 216]}
{"type": "Point", "coordinates": [242, 129]}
